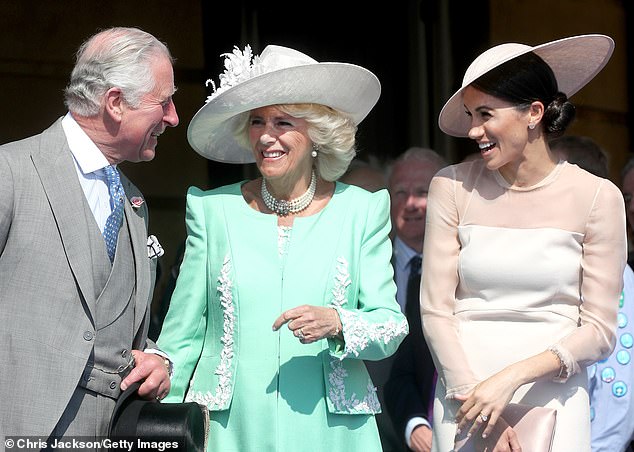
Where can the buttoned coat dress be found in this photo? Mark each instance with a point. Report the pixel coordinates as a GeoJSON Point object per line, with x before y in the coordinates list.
{"type": "Point", "coordinates": [266, 391]}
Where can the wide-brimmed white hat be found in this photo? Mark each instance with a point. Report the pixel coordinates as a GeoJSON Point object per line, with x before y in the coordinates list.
{"type": "Point", "coordinates": [574, 61]}
{"type": "Point", "coordinates": [280, 75]}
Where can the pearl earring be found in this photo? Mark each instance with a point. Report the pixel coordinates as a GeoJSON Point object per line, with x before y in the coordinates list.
{"type": "Point", "coordinates": [315, 149]}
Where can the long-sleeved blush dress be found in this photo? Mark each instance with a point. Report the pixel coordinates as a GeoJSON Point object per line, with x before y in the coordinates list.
{"type": "Point", "coordinates": [509, 273]}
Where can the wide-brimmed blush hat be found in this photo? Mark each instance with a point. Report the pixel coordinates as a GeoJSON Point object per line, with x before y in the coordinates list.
{"type": "Point", "coordinates": [279, 75]}
{"type": "Point", "coordinates": [574, 61]}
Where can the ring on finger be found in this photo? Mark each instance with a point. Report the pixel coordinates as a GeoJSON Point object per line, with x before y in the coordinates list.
{"type": "Point", "coordinates": [300, 335]}
{"type": "Point", "coordinates": [484, 417]}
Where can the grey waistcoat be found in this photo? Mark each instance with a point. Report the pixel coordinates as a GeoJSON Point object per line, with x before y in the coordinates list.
{"type": "Point", "coordinates": [114, 316]}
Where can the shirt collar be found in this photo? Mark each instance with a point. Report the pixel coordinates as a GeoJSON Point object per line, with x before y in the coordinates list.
{"type": "Point", "coordinates": [403, 254]}
{"type": "Point", "coordinates": [86, 153]}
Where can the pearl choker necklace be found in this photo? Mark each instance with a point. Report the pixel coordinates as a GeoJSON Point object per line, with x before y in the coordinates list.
{"type": "Point", "coordinates": [281, 207]}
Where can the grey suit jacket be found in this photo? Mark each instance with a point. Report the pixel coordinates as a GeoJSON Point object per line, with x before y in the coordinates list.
{"type": "Point", "coordinates": [47, 295]}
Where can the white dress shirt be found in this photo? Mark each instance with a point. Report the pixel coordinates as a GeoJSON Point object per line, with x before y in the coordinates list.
{"type": "Point", "coordinates": [89, 163]}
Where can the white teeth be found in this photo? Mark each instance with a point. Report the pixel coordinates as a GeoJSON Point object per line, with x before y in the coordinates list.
{"type": "Point", "coordinates": [272, 155]}
{"type": "Point", "coordinates": [484, 146]}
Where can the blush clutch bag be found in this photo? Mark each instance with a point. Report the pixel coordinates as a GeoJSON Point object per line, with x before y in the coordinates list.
{"type": "Point", "coordinates": [534, 426]}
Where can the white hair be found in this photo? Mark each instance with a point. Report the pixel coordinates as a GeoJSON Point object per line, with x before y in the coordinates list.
{"type": "Point", "coordinates": [330, 130]}
{"type": "Point", "coordinates": [424, 155]}
{"type": "Point", "coordinates": [116, 57]}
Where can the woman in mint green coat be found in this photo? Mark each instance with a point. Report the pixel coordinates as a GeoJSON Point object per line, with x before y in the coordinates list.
{"type": "Point", "coordinates": [286, 285]}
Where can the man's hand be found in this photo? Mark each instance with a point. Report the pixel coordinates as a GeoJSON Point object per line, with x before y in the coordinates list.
{"type": "Point", "coordinates": [152, 370]}
{"type": "Point", "coordinates": [420, 439]}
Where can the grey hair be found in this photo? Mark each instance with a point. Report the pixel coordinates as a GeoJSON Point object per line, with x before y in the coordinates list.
{"type": "Point", "coordinates": [330, 130]}
{"type": "Point", "coordinates": [424, 155]}
{"type": "Point", "coordinates": [117, 57]}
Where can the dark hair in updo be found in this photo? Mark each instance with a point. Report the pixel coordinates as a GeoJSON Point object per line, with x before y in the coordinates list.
{"type": "Point", "coordinates": [526, 79]}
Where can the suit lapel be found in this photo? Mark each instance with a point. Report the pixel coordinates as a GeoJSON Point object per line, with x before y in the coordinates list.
{"type": "Point", "coordinates": [54, 164]}
{"type": "Point", "coordinates": [138, 235]}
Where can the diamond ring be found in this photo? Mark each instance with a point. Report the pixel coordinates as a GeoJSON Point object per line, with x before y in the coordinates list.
{"type": "Point", "coordinates": [484, 417]}
{"type": "Point", "coordinates": [300, 335]}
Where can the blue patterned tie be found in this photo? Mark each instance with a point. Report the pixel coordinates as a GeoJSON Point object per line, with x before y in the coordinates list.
{"type": "Point", "coordinates": [113, 223]}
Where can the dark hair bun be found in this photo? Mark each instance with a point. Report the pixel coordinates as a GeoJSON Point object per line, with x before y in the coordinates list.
{"type": "Point", "coordinates": [558, 116]}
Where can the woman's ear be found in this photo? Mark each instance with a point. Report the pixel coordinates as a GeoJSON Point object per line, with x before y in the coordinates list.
{"type": "Point", "coordinates": [535, 113]}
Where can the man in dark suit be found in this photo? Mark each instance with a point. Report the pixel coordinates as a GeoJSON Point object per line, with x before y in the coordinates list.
{"type": "Point", "coordinates": [76, 261]}
{"type": "Point", "coordinates": [408, 392]}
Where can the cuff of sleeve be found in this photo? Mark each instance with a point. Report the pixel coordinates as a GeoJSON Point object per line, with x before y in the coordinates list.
{"type": "Point", "coordinates": [566, 364]}
{"type": "Point", "coordinates": [344, 348]}
{"type": "Point", "coordinates": [167, 361]}
{"type": "Point", "coordinates": [411, 425]}
{"type": "Point", "coordinates": [462, 389]}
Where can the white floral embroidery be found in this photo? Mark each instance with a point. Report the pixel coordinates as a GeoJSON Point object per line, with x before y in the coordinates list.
{"type": "Point", "coordinates": [224, 388]}
{"type": "Point", "coordinates": [358, 332]}
{"type": "Point", "coordinates": [337, 392]}
{"type": "Point", "coordinates": [239, 66]}
{"type": "Point", "coordinates": [337, 377]}
{"type": "Point", "coordinates": [342, 281]}
{"type": "Point", "coordinates": [283, 239]}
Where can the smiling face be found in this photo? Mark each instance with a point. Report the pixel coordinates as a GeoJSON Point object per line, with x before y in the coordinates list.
{"type": "Point", "coordinates": [141, 126]}
{"type": "Point", "coordinates": [408, 187]}
{"type": "Point", "coordinates": [281, 146]}
{"type": "Point", "coordinates": [499, 127]}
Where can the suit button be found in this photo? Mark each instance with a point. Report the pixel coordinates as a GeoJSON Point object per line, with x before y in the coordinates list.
{"type": "Point", "coordinates": [113, 384]}
{"type": "Point", "coordinates": [88, 335]}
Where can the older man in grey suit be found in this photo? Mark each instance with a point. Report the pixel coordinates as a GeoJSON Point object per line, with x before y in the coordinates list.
{"type": "Point", "coordinates": [74, 308]}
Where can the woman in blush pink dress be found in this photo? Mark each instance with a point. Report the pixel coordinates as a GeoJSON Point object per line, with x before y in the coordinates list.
{"type": "Point", "coordinates": [523, 254]}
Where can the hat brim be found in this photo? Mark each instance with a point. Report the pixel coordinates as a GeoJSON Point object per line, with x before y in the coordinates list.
{"type": "Point", "coordinates": [574, 61]}
{"type": "Point", "coordinates": [183, 423]}
{"type": "Point", "coordinates": [350, 89]}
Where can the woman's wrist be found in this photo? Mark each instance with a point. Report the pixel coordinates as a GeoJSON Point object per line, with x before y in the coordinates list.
{"type": "Point", "coordinates": [517, 376]}
{"type": "Point", "coordinates": [338, 326]}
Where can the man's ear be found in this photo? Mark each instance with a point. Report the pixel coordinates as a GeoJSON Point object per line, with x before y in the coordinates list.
{"type": "Point", "coordinates": [114, 104]}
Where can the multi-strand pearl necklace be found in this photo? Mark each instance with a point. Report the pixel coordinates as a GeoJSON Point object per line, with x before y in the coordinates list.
{"type": "Point", "coordinates": [281, 207]}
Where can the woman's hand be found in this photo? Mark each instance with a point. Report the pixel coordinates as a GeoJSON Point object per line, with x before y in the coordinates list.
{"type": "Point", "coordinates": [485, 403]}
{"type": "Point", "coordinates": [310, 323]}
{"type": "Point", "coordinates": [502, 439]}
